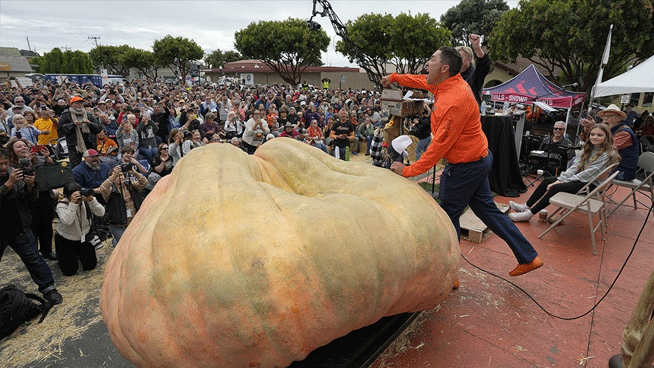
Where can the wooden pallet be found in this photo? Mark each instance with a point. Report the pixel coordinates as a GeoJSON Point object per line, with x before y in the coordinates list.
{"type": "Point", "coordinates": [472, 229]}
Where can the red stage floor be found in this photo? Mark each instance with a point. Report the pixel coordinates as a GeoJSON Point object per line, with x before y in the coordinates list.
{"type": "Point", "coordinates": [488, 322]}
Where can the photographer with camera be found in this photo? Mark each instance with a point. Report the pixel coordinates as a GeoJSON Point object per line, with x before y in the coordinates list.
{"type": "Point", "coordinates": [73, 241]}
{"type": "Point", "coordinates": [28, 159]}
{"type": "Point", "coordinates": [128, 160]}
{"type": "Point", "coordinates": [121, 194]}
{"type": "Point", "coordinates": [16, 192]}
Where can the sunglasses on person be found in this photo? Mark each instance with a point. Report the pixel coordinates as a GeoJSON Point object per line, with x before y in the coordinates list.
{"type": "Point", "coordinates": [558, 128]}
{"type": "Point", "coordinates": [164, 148]}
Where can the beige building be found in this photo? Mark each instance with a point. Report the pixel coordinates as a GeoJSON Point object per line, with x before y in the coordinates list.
{"type": "Point", "coordinates": [255, 72]}
{"type": "Point", "coordinates": [14, 63]}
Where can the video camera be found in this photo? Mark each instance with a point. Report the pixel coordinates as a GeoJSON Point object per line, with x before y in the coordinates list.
{"type": "Point", "coordinates": [313, 25]}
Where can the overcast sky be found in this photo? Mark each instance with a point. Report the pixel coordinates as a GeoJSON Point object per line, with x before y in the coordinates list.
{"type": "Point", "coordinates": [211, 24]}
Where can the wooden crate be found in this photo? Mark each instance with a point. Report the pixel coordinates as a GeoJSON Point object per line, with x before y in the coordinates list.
{"type": "Point", "coordinates": [473, 229]}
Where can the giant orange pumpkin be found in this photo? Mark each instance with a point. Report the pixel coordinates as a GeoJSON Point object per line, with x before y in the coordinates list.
{"type": "Point", "coordinates": [254, 261]}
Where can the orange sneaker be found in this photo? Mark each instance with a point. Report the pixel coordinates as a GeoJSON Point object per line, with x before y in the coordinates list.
{"type": "Point", "coordinates": [456, 284]}
{"type": "Point", "coordinates": [521, 269]}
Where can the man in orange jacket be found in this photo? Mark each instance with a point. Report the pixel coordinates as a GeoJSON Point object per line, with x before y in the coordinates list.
{"type": "Point", "coordinates": [457, 136]}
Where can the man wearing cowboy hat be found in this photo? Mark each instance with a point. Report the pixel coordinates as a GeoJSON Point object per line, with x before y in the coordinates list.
{"type": "Point", "coordinates": [624, 139]}
{"type": "Point", "coordinates": [79, 128]}
{"type": "Point", "coordinates": [289, 131]}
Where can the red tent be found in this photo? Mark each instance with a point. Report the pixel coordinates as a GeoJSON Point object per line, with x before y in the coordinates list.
{"type": "Point", "coordinates": [531, 85]}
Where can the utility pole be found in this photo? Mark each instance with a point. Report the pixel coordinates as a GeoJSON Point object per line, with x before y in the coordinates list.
{"type": "Point", "coordinates": [66, 48]}
{"type": "Point", "coordinates": [95, 39]}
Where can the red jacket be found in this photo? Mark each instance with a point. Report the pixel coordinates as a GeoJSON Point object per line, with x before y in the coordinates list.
{"type": "Point", "coordinates": [455, 123]}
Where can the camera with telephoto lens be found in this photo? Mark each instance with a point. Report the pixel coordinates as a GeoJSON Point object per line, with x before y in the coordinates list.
{"type": "Point", "coordinates": [26, 165]}
{"type": "Point", "coordinates": [86, 192]}
{"type": "Point", "coordinates": [126, 167]}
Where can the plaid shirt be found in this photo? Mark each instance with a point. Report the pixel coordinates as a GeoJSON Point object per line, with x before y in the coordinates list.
{"type": "Point", "coordinates": [376, 147]}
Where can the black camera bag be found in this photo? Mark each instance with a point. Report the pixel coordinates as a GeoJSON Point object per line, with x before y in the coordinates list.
{"type": "Point", "coordinates": [17, 307]}
{"type": "Point", "coordinates": [53, 176]}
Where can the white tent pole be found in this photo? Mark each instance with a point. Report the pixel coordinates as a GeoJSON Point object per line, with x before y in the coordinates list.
{"type": "Point", "coordinates": [605, 60]}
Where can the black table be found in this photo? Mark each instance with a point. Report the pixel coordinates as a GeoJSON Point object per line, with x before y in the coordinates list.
{"type": "Point", "coordinates": [505, 177]}
{"type": "Point", "coordinates": [359, 348]}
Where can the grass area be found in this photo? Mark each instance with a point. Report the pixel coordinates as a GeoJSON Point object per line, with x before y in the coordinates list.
{"type": "Point", "coordinates": [428, 187]}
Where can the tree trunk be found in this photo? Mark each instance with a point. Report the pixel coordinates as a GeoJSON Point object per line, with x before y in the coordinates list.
{"type": "Point", "coordinates": [638, 335]}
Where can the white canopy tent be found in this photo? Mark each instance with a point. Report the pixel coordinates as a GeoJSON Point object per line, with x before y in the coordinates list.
{"type": "Point", "coordinates": [639, 79]}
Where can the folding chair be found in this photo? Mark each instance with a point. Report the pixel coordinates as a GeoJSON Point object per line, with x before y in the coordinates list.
{"type": "Point", "coordinates": [586, 201]}
{"type": "Point", "coordinates": [645, 165]}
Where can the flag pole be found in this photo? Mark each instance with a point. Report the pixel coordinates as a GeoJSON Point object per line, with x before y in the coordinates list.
{"type": "Point", "coordinates": [600, 74]}
{"type": "Point", "coordinates": [605, 60]}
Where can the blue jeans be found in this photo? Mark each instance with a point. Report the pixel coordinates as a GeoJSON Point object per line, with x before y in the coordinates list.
{"type": "Point", "coordinates": [25, 246]}
{"type": "Point", "coordinates": [322, 147]}
{"type": "Point", "coordinates": [421, 147]}
{"type": "Point", "coordinates": [116, 233]}
{"type": "Point", "coordinates": [467, 184]}
{"type": "Point", "coordinates": [149, 153]}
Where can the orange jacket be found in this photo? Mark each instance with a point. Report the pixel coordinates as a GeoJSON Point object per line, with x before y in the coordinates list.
{"type": "Point", "coordinates": [455, 123]}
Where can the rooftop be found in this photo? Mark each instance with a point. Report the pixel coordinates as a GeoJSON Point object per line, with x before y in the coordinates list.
{"type": "Point", "coordinates": [257, 66]}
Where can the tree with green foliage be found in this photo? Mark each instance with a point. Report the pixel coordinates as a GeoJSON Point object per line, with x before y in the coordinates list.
{"type": "Point", "coordinates": [414, 39]}
{"type": "Point", "coordinates": [141, 60]}
{"type": "Point", "coordinates": [217, 58]}
{"type": "Point", "coordinates": [569, 35]}
{"type": "Point", "coordinates": [69, 62]}
{"type": "Point", "coordinates": [178, 52]}
{"type": "Point", "coordinates": [372, 37]}
{"type": "Point", "coordinates": [287, 47]}
{"type": "Point", "coordinates": [109, 57]}
{"type": "Point", "coordinates": [473, 16]}
{"type": "Point", "coordinates": [50, 62]}
{"type": "Point", "coordinates": [406, 41]}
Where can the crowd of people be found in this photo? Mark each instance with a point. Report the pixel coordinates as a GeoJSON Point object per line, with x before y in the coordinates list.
{"type": "Point", "coordinates": [122, 138]}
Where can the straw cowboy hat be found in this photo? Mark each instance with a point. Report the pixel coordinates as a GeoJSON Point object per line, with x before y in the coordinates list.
{"type": "Point", "coordinates": [612, 108]}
